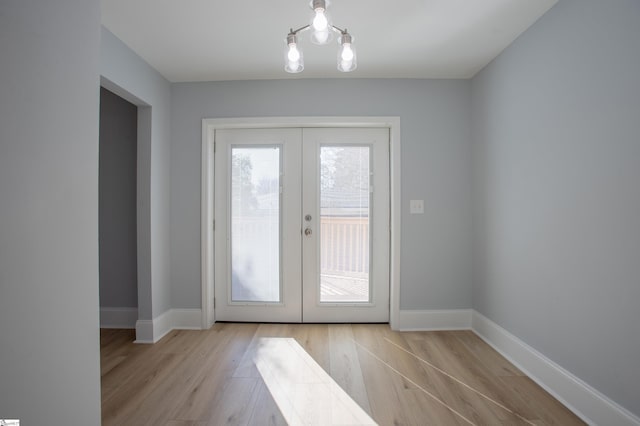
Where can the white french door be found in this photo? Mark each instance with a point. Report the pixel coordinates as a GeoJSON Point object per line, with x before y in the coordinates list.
{"type": "Point", "coordinates": [302, 225]}
{"type": "Point", "coordinates": [258, 260]}
{"type": "Point", "coordinates": [345, 196]}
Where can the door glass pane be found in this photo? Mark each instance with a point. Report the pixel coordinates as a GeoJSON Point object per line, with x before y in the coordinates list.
{"type": "Point", "coordinates": [344, 223]}
{"type": "Point", "coordinates": [255, 224]}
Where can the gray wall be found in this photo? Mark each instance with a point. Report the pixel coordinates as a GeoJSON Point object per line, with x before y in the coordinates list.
{"type": "Point", "coordinates": [556, 135]}
{"type": "Point", "coordinates": [435, 120]}
{"type": "Point", "coordinates": [127, 75]}
{"type": "Point", "coordinates": [49, 346]}
{"type": "Point", "coordinates": [117, 201]}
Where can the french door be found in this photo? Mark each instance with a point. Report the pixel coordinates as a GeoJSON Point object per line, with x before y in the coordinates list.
{"type": "Point", "coordinates": [302, 225]}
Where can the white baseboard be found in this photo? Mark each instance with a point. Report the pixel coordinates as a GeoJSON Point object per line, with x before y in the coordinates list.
{"type": "Point", "coordinates": [451, 319]}
{"type": "Point", "coordinates": [144, 331]}
{"type": "Point", "coordinates": [585, 401]}
{"type": "Point", "coordinates": [118, 317]}
{"type": "Point", "coordinates": [150, 331]}
{"type": "Point", "coordinates": [186, 319]}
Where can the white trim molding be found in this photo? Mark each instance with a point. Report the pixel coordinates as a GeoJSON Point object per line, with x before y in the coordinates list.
{"type": "Point", "coordinates": [432, 320]}
{"type": "Point", "coordinates": [151, 331]}
{"type": "Point", "coordinates": [585, 401]}
{"type": "Point", "coordinates": [209, 125]}
{"type": "Point", "coordinates": [118, 317]}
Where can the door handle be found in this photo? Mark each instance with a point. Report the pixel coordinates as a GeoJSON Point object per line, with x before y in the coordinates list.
{"type": "Point", "coordinates": [307, 232]}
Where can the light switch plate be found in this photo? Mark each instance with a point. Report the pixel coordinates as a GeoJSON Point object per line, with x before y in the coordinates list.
{"type": "Point", "coordinates": [416, 206]}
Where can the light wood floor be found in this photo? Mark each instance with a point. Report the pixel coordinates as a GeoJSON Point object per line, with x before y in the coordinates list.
{"type": "Point", "coordinates": [277, 374]}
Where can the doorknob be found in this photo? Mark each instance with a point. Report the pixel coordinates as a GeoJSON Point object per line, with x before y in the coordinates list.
{"type": "Point", "coordinates": [307, 231]}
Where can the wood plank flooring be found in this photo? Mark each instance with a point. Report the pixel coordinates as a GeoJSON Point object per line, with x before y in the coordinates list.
{"type": "Point", "coordinates": [316, 374]}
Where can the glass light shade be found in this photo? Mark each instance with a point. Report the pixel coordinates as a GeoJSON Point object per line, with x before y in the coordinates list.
{"type": "Point", "coordinates": [321, 28]}
{"type": "Point", "coordinates": [347, 60]}
{"type": "Point", "coordinates": [293, 59]}
{"type": "Point", "coordinates": [321, 37]}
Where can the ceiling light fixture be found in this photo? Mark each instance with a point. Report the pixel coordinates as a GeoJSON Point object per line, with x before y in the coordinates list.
{"type": "Point", "coordinates": [321, 33]}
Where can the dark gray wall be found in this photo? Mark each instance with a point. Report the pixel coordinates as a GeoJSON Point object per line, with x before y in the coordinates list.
{"type": "Point", "coordinates": [129, 76]}
{"type": "Point", "coordinates": [49, 340]}
{"type": "Point", "coordinates": [556, 135]}
{"type": "Point", "coordinates": [117, 201]}
{"type": "Point", "coordinates": [436, 159]}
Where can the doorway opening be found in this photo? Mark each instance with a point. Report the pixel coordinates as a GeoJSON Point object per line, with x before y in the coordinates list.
{"type": "Point", "coordinates": [117, 210]}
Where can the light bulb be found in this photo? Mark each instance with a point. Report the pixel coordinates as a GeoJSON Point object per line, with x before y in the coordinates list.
{"type": "Point", "coordinates": [347, 53]}
{"type": "Point", "coordinates": [294, 54]}
{"type": "Point", "coordinates": [321, 28]}
{"type": "Point", "coordinates": [347, 61]}
{"type": "Point", "coordinates": [320, 21]}
{"type": "Point", "coordinates": [293, 60]}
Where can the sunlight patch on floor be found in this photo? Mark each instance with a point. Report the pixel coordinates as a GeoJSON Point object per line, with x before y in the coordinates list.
{"type": "Point", "coordinates": [304, 392]}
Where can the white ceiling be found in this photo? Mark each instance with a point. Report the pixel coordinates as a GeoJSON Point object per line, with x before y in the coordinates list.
{"type": "Point", "coordinates": [208, 40]}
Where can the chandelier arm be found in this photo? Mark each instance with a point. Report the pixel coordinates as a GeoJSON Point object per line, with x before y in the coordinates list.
{"type": "Point", "coordinates": [294, 32]}
{"type": "Point", "coordinates": [340, 30]}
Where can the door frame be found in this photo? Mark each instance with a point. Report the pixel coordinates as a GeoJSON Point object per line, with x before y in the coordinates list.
{"type": "Point", "coordinates": [210, 125]}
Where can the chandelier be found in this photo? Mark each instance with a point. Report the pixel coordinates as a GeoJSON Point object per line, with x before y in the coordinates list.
{"type": "Point", "coordinates": [322, 31]}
